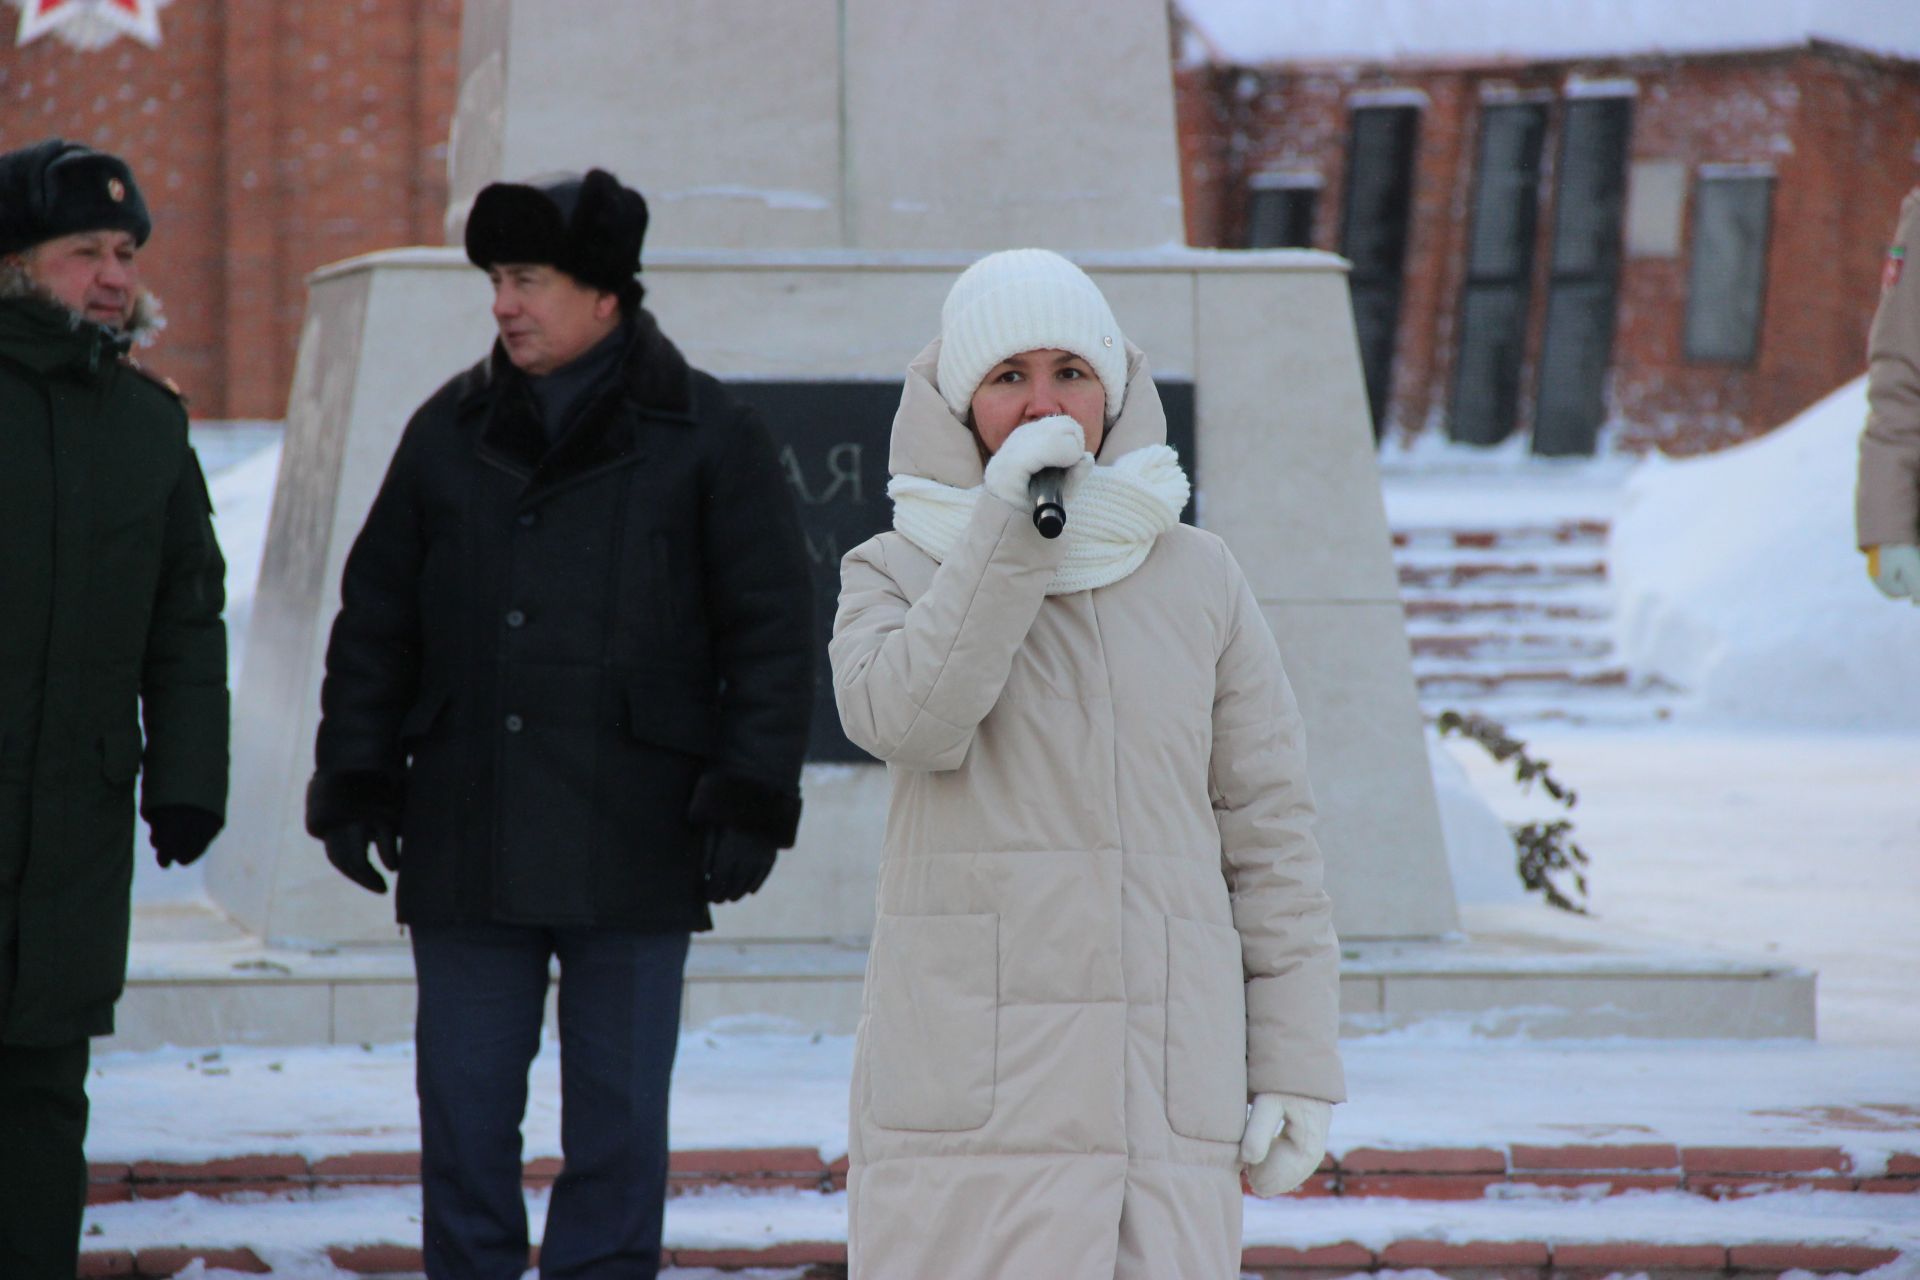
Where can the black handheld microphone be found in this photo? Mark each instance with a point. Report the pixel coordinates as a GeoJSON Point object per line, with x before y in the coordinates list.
{"type": "Point", "coordinates": [1049, 512]}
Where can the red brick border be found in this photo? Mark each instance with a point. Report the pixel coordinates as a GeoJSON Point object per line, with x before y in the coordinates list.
{"type": "Point", "coordinates": [1424, 1173]}
{"type": "Point", "coordinates": [1808, 1257]}
{"type": "Point", "coordinates": [1424, 1160]}
{"type": "Point", "coordinates": [1345, 1254]}
{"type": "Point", "coordinates": [1595, 1158]}
{"type": "Point", "coordinates": [1476, 1253]}
{"type": "Point", "coordinates": [797, 1254]}
{"type": "Point", "coordinates": [374, 1259]}
{"type": "Point", "coordinates": [164, 1261]}
{"type": "Point", "coordinates": [1628, 1254]}
{"type": "Point", "coordinates": [1418, 1186]}
{"type": "Point", "coordinates": [369, 1166]}
{"type": "Point", "coordinates": [1765, 1160]}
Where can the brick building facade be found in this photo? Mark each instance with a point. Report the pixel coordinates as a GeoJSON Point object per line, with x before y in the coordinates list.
{"type": "Point", "coordinates": [268, 138]}
{"type": "Point", "coordinates": [272, 138]}
{"type": "Point", "coordinates": [1679, 251]}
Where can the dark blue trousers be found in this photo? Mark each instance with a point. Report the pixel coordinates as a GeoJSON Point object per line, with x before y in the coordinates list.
{"type": "Point", "coordinates": [483, 991]}
{"type": "Point", "coordinates": [43, 1166]}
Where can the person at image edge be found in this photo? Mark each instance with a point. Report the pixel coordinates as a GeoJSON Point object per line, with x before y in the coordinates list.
{"type": "Point", "coordinates": [1887, 508]}
{"type": "Point", "coordinates": [111, 593]}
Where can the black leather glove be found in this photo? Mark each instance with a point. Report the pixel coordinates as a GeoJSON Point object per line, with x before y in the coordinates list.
{"type": "Point", "coordinates": [180, 833]}
{"type": "Point", "coordinates": [347, 851]}
{"type": "Point", "coordinates": [349, 810]}
{"type": "Point", "coordinates": [738, 863]}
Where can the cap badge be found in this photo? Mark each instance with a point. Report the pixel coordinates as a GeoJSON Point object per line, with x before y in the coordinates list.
{"type": "Point", "coordinates": [116, 190]}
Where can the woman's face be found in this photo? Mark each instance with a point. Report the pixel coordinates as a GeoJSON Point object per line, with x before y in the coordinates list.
{"type": "Point", "coordinates": [1034, 385]}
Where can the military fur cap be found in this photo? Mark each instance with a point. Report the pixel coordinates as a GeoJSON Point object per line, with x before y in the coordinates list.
{"type": "Point", "coordinates": [57, 188]}
{"type": "Point", "coordinates": [588, 226]}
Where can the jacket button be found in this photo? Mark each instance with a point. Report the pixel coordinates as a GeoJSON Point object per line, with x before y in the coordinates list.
{"type": "Point", "coordinates": [515, 724]}
{"type": "Point", "coordinates": [527, 519]}
{"type": "Point", "coordinates": [515, 618]}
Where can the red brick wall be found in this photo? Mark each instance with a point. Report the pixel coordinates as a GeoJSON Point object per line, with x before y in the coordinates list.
{"type": "Point", "coordinates": [1840, 130]}
{"type": "Point", "coordinates": [269, 139]}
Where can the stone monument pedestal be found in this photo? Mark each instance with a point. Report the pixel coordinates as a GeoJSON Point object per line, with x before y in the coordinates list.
{"type": "Point", "coordinates": [1527, 971]}
{"type": "Point", "coordinates": [302, 956]}
{"type": "Point", "coordinates": [819, 172]}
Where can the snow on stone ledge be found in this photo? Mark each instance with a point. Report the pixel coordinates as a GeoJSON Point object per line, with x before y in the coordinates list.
{"type": "Point", "coordinates": [1253, 32]}
{"type": "Point", "coordinates": [1736, 577]}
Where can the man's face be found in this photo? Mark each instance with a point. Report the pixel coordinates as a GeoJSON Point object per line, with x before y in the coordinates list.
{"type": "Point", "coordinates": [546, 317]}
{"type": "Point", "coordinates": [91, 272]}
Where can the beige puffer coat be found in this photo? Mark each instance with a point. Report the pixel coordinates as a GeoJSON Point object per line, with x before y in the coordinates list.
{"type": "Point", "coordinates": [1887, 500]}
{"type": "Point", "coordinates": [1101, 922]}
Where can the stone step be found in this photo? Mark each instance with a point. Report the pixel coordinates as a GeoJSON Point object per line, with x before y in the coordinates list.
{"type": "Point", "coordinates": [1508, 573]}
{"type": "Point", "coordinates": [195, 980]}
{"type": "Point", "coordinates": [1460, 679]}
{"type": "Point", "coordinates": [1585, 711]}
{"type": "Point", "coordinates": [1591, 533]}
{"type": "Point", "coordinates": [1438, 609]}
{"type": "Point", "coordinates": [1591, 1170]}
{"type": "Point", "coordinates": [1541, 1234]}
{"type": "Point", "coordinates": [1496, 647]}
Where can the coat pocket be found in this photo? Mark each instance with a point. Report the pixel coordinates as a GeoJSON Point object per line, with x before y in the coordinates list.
{"type": "Point", "coordinates": [1206, 1031]}
{"type": "Point", "coordinates": [933, 1010]}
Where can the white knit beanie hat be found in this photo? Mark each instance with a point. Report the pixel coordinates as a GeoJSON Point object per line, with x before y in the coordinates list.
{"type": "Point", "coordinates": [1026, 300]}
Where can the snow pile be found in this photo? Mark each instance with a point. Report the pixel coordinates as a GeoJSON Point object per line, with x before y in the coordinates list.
{"type": "Point", "coordinates": [1480, 849]}
{"type": "Point", "coordinates": [1251, 32]}
{"type": "Point", "coordinates": [242, 500]}
{"type": "Point", "coordinates": [242, 465]}
{"type": "Point", "coordinates": [1736, 578]}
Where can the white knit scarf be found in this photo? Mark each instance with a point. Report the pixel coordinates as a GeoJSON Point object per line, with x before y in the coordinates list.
{"type": "Point", "coordinates": [1113, 515]}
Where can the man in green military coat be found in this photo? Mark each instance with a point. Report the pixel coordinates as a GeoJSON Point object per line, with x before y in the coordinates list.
{"type": "Point", "coordinates": [110, 600]}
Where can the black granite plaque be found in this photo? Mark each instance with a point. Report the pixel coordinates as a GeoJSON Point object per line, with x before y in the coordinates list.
{"type": "Point", "coordinates": [833, 444]}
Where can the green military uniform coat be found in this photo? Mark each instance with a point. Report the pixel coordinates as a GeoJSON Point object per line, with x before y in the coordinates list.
{"type": "Point", "coordinates": [110, 599]}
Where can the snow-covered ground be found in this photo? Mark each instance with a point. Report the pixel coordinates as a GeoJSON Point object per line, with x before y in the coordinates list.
{"type": "Point", "coordinates": [197, 1105]}
{"type": "Point", "coordinates": [1796, 845]}
{"type": "Point", "coordinates": [1727, 827]}
{"type": "Point", "coordinates": [1732, 831]}
{"type": "Point", "coordinates": [1736, 577]}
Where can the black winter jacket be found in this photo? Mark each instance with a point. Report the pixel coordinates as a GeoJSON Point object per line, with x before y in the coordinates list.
{"type": "Point", "coordinates": [556, 668]}
{"type": "Point", "coordinates": [111, 589]}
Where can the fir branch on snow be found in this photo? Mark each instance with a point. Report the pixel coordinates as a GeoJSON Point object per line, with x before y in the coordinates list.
{"type": "Point", "coordinates": [1544, 850]}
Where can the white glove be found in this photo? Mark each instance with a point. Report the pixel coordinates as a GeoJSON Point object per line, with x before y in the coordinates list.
{"type": "Point", "coordinates": [1894, 566]}
{"type": "Point", "coordinates": [1285, 1140]}
{"type": "Point", "coordinates": [1034, 446]}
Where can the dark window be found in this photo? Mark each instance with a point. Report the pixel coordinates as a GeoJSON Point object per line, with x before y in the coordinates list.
{"type": "Point", "coordinates": [1588, 203]}
{"type": "Point", "coordinates": [1493, 309]}
{"type": "Point", "coordinates": [1281, 217]}
{"type": "Point", "coordinates": [1727, 276]}
{"type": "Point", "coordinates": [1373, 236]}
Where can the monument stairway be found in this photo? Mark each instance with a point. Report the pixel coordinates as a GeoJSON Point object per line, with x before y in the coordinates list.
{"type": "Point", "coordinates": [1667, 1211]}
{"type": "Point", "coordinates": [1512, 618]}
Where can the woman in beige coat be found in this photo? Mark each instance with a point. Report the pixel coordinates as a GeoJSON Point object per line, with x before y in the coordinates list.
{"type": "Point", "coordinates": [1101, 928]}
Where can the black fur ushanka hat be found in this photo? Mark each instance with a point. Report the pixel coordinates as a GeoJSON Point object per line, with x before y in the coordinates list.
{"type": "Point", "coordinates": [588, 226]}
{"type": "Point", "coordinates": [58, 188]}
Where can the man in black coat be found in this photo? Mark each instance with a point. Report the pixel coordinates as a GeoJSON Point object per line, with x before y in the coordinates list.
{"type": "Point", "coordinates": [566, 700]}
{"type": "Point", "coordinates": [111, 589]}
